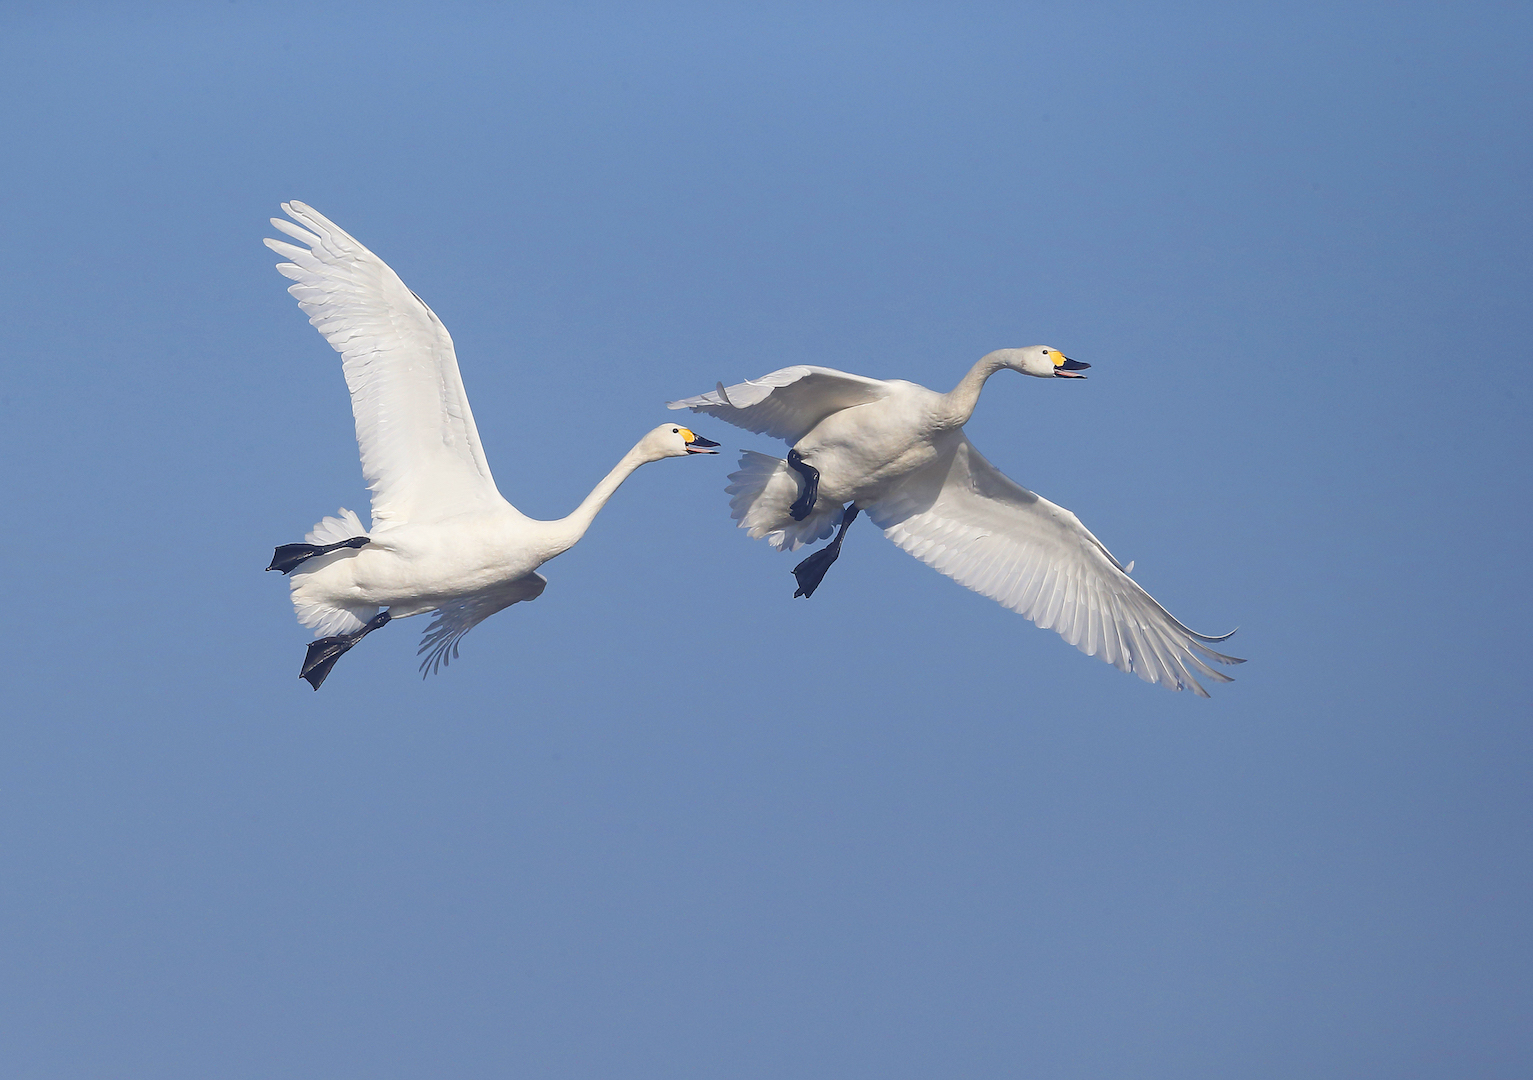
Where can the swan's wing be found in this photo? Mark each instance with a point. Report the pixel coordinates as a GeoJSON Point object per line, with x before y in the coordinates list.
{"type": "Point", "coordinates": [420, 450]}
{"type": "Point", "coordinates": [788, 403]}
{"type": "Point", "coordinates": [962, 516]}
{"type": "Point", "coordinates": [439, 644]}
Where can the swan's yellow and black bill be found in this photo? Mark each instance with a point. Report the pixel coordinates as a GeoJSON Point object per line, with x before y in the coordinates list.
{"type": "Point", "coordinates": [1065, 368]}
{"type": "Point", "coordinates": [696, 444]}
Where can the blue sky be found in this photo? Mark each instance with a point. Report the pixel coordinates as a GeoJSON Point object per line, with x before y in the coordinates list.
{"type": "Point", "coordinates": [665, 821]}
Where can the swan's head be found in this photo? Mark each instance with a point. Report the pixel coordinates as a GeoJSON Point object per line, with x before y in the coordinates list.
{"type": "Point", "coordinates": [673, 440]}
{"type": "Point", "coordinates": [1042, 361]}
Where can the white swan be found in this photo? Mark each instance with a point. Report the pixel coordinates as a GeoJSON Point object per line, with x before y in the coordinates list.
{"type": "Point", "coordinates": [898, 451]}
{"type": "Point", "coordinates": [443, 539]}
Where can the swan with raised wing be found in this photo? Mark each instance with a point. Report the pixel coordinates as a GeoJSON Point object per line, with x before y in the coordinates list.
{"type": "Point", "coordinates": [442, 540]}
{"type": "Point", "coordinates": [897, 451]}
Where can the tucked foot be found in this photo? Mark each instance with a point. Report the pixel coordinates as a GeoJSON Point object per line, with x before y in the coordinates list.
{"type": "Point", "coordinates": [811, 571]}
{"type": "Point", "coordinates": [287, 557]}
{"type": "Point", "coordinates": [325, 651]}
{"type": "Point", "coordinates": [804, 504]}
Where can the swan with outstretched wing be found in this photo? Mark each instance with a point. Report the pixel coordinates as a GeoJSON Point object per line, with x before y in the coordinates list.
{"type": "Point", "coordinates": [443, 540]}
{"type": "Point", "coordinates": [897, 451]}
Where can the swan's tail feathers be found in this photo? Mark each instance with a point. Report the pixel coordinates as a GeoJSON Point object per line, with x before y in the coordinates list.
{"type": "Point", "coordinates": [761, 492]}
{"type": "Point", "coordinates": [328, 618]}
{"type": "Point", "coordinates": [333, 538]}
{"type": "Point", "coordinates": [332, 530]}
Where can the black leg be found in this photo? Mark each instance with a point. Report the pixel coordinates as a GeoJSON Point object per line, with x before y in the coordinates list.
{"type": "Point", "coordinates": [324, 652]}
{"type": "Point", "coordinates": [287, 557]}
{"type": "Point", "coordinates": [805, 502]}
{"type": "Point", "coordinates": [811, 571]}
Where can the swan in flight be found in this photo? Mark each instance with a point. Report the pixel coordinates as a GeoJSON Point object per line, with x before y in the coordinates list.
{"type": "Point", "coordinates": [898, 452]}
{"type": "Point", "coordinates": [442, 540]}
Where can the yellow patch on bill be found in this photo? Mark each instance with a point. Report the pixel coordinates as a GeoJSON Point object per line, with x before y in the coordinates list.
{"type": "Point", "coordinates": [1055, 355]}
{"type": "Point", "coordinates": [686, 434]}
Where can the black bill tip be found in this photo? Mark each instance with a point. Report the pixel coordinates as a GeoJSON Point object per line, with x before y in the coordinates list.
{"type": "Point", "coordinates": [1070, 369]}
{"type": "Point", "coordinates": [699, 445]}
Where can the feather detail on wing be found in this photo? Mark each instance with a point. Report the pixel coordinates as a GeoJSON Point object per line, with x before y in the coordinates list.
{"type": "Point", "coordinates": [788, 403]}
{"type": "Point", "coordinates": [439, 644]}
{"type": "Point", "coordinates": [420, 450]}
{"type": "Point", "coordinates": [963, 517]}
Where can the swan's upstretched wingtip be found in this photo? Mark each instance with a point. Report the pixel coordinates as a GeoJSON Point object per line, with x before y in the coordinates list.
{"type": "Point", "coordinates": [1223, 658]}
{"type": "Point", "coordinates": [1218, 657]}
{"type": "Point", "coordinates": [1204, 639]}
{"type": "Point", "coordinates": [712, 400]}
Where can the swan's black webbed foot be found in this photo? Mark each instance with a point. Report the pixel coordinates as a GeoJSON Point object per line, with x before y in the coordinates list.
{"type": "Point", "coordinates": [287, 557]}
{"type": "Point", "coordinates": [324, 652]}
{"type": "Point", "coordinates": [802, 507]}
{"type": "Point", "coordinates": [811, 571]}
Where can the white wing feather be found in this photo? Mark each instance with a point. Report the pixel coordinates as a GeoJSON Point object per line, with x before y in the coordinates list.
{"type": "Point", "coordinates": [439, 644]}
{"type": "Point", "coordinates": [420, 450]}
{"type": "Point", "coordinates": [787, 403]}
{"type": "Point", "coordinates": [963, 517]}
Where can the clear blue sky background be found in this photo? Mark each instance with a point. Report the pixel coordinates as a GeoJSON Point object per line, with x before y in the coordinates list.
{"type": "Point", "coordinates": [667, 822]}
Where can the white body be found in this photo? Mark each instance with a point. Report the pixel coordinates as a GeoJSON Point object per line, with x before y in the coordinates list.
{"type": "Point", "coordinates": [897, 451]}
{"type": "Point", "coordinates": [442, 539]}
{"type": "Point", "coordinates": [411, 569]}
{"type": "Point", "coordinates": [864, 453]}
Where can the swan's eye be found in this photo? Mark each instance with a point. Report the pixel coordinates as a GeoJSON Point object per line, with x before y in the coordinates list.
{"type": "Point", "coordinates": [675, 431]}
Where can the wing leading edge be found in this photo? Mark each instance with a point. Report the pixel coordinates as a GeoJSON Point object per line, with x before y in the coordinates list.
{"type": "Point", "coordinates": [788, 403]}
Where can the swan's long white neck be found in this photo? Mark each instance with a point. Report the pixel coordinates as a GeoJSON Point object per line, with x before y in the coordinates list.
{"type": "Point", "coordinates": [958, 403]}
{"type": "Point", "coordinates": [568, 530]}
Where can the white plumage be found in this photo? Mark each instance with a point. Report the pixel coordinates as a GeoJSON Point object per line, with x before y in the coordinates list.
{"type": "Point", "coordinates": [897, 451]}
{"type": "Point", "coordinates": [413, 418]}
{"type": "Point", "coordinates": [442, 538]}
